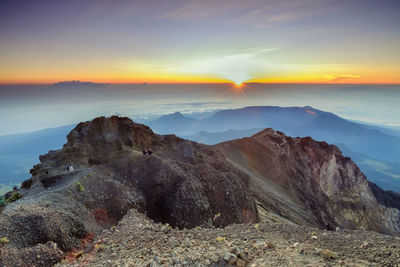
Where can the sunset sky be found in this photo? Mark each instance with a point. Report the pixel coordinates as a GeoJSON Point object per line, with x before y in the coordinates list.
{"type": "Point", "coordinates": [114, 41]}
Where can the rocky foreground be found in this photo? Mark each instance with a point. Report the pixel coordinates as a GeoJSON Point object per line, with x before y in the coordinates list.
{"type": "Point", "coordinates": [137, 241]}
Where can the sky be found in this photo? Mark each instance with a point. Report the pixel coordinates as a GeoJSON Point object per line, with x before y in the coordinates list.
{"type": "Point", "coordinates": [207, 41]}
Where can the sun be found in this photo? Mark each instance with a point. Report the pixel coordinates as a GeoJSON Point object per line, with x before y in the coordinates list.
{"type": "Point", "coordinates": [239, 79]}
{"type": "Point", "coordinates": [238, 87]}
{"type": "Point", "coordinates": [238, 82]}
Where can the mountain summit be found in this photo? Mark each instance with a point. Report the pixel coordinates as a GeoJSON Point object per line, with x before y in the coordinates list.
{"type": "Point", "coordinates": [101, 173]}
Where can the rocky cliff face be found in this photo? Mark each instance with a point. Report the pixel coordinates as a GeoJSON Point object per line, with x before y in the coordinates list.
{"type": "Point", "coordinates": [183, 183]}
{"type": "Point", "coordinates": [308, 182]}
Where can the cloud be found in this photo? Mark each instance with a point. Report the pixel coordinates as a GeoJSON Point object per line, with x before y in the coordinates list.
{"type": "Point", "coordinates": [208, 9]}
{"type": "Point", "coordinates": [260, 50]}
{"type": "Point", "coordinates": [197, 104]}
{"type": "Point", "coordinates": [238, 67]}
{"type": "Point", "coordinates": [262, 15]}
{"type": "Point", "coordinates": [310, 112]}
{"type": "Point", "coordinates": [340, 77]}
{"type": "Point", "coordinates": [256, 13]}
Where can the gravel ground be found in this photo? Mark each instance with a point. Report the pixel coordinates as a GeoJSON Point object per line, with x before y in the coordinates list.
{"type": "Point", "coordinates": [137, 241]}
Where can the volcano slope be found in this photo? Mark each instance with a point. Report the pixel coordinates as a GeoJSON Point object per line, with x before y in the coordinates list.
{"type": "Point", "coordinates": [307, 182]}
{"type": "Point", "coordinates": [185, 184]}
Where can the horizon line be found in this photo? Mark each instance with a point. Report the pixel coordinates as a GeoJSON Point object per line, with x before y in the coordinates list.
{"type": "Point", "coordinates": [204, 83]}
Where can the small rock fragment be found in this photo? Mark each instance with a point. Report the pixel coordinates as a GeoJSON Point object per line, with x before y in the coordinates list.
{"type": "Point", "coordinates": [240, 263]}
{"type": "Point", "coordinates": [230, 257]}
{"type": "Point", "coordinates": [295, 245]}
{"type": "Point", "coordinates": [328, 254]}
{"type": "Point", "coordinates": [270, 245]}
{"type": "Point", "coordinates": [214, 258]}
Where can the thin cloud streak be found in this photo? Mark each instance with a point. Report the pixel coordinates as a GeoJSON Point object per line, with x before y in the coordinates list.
{"type": "Point", "coordinates": [256, 13]}
{"type": "Point", "coordinates": [341, 77]}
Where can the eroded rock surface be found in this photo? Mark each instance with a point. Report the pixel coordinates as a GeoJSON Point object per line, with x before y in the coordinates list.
{"type": "Point", "coordinates": [307, 182]}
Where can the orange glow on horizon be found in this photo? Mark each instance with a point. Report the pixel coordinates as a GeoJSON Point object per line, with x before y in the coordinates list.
{"type": "Point", "coordinates": [165, 79]}
{"type": "Point", "coordinates": [238, 88]}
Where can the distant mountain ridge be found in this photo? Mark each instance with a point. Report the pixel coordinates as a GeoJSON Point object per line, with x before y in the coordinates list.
{"type": "Point", "coordinates": [229, 124]}
{"type": "Point", "coordinates": [176, 121]}
{"type": "Point", "coordinates": [295, 121]}
{"type": "Point", "coordinates": [371, 141]}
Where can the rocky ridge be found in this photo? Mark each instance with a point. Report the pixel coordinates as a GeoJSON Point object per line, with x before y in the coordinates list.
{"type": "Point", "coordinates": [310, 183]}
{"type": "Point", "coordinates": [268, 177]}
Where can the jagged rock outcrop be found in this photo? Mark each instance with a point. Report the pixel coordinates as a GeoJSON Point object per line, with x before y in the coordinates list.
{"type": "Point", "coordinates": [182, 183]}
{"type": "Point", "coordinates": [308, 182]}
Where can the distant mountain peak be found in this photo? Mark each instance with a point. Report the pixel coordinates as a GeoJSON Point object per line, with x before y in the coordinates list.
{"type": "Point", "coordinates": [266, 132]}
{"type": "Point", "coordinates": [79, 83]}
{"type": "Point", "coordinates": [176, 114]}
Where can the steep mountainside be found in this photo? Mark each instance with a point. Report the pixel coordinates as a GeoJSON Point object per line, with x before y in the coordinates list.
{"type": "Point", "coordinates": [185, 184]}
{"type": "Point", "coordinates": [210, 138]}
{"type": "Point", "coordinates": [308, 182]}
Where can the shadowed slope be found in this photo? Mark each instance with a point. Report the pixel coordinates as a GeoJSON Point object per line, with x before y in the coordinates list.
{"type": "Point", "coordinates": [308, 182]}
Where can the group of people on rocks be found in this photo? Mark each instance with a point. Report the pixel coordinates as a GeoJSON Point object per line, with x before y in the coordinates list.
{"type": "Point", "coordinates": [147, 152]}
